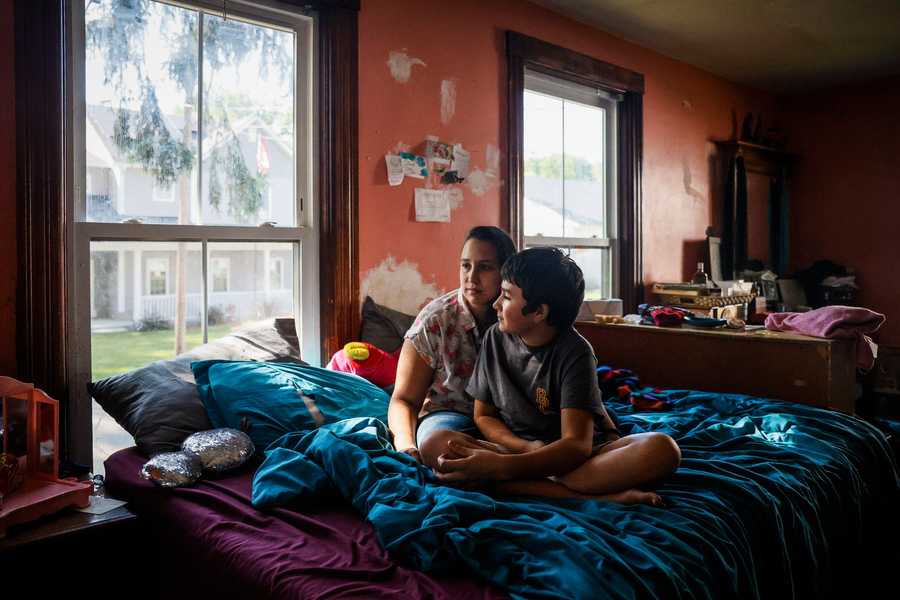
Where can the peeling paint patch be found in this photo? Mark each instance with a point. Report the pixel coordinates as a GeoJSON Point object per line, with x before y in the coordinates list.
{"type": "Point", "coordinates": [479, 181]}
{"type": "Point", "coordinates": [697, 197]}
{"type": "Point", "coordinates": [401, 64]}
{"type": "Point", "coordinates": [456, 197]}
{"type": "Point", "coordinates": [492, 159]}
{"type": "Point", "coordinates": [398, 285]}
{"type": "Point", "coordinates": [448, 100]}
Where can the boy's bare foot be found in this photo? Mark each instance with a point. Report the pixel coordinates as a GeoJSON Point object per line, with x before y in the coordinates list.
{"type": "Point", "coordinates": [634, 496]}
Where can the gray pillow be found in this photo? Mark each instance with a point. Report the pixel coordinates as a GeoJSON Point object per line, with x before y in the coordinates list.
{"type": "Point", "coordinates": [383, 327]}
{"type": "Point", "coordinates": [158, 404]}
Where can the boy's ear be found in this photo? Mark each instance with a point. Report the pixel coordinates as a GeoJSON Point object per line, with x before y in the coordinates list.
{"type": "Point", "coordinates": [541, 313]}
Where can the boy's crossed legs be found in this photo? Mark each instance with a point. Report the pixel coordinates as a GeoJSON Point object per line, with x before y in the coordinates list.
{"type": "Point", "coordinates": [614, 471]}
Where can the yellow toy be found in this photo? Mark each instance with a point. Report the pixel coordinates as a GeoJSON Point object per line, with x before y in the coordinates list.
{"type": "Point", "coordinates": [357, 351]}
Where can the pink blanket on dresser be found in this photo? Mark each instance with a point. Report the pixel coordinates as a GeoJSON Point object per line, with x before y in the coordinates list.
{"type": "Point", "coordinates": [847, 322]}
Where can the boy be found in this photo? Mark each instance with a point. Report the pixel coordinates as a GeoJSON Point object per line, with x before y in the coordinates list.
{"type": "Point", "coordinates": [537, 399]}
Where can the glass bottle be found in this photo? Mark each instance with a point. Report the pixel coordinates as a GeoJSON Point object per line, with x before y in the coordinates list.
{"type": "Point", "coordinates": [700, 277]}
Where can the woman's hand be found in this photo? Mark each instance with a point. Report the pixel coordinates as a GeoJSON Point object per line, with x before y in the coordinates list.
{"type": "Point", "coordinates": [412, 451]}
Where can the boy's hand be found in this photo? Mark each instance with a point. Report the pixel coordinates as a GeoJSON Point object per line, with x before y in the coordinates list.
{"type": "Point", "coordinates": [470, 461]}
{"type": "Point", "coordinates": [533, 445]}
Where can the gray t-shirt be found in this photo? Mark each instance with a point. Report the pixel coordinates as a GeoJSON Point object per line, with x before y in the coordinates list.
{"type": "Point", "coordinates": [530, 386]}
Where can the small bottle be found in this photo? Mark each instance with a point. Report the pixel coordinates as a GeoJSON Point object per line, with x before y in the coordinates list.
{"type": "Point", "coordinates": [700, 277]}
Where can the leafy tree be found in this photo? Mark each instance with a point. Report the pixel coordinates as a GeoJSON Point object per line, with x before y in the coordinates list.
{"type": "Point", "coordinates": [551, 167]}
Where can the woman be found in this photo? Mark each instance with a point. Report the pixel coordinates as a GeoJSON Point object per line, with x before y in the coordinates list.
{"type": "Point", "coordinates": [439, 351]}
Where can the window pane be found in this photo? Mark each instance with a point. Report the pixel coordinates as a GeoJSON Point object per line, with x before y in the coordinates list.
{"type": "Point", "coordinates": [250, 295]}
{"type": "Point", "coordinates": [585, 180]}
{"type": "Point", "coordinates": [221, 273]}
{"type": "Point", "coordinates": [543, 144]}
{"type": "Point", "coordinates": [141, 111]}
{"type": "Point", "coordinates": [248, 124]}
{"type": "Point", "coordinates": [135, 304]}
{"type": "Point", "coordinates": [594, 263]}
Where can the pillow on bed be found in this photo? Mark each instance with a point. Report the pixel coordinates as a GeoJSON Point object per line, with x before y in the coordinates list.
{"type": "Point", "coordinates": [159, 405]}
{"type": "Point", "coordinates": [383, 327]}
{"type": "Point", "coordinates": [269, 400]}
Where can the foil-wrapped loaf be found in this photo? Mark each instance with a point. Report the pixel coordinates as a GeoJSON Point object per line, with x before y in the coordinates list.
{"type": "Point", "coordinates": [172, 469]}
{"type": "Point", "coordinates": [219, 449]}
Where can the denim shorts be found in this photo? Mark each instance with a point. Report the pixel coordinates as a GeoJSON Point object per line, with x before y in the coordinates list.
{"type": "Point", "coordinates": [445, 419]}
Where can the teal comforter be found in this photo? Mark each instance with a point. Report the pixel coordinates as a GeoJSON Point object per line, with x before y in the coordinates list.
{"type": "Point", "coordinates": [770, 501]}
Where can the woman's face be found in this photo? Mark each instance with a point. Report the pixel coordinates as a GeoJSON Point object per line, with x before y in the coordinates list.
{"type": "Point", "coordinates": [479, 274]}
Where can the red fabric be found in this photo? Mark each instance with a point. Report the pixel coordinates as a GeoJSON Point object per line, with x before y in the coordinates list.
{"type": "Point", "coordinates": [667, 316]}
{"type": "Point", "coordinates": [835, 322]}
{"type": "Point", "coordinates": [380, 368]}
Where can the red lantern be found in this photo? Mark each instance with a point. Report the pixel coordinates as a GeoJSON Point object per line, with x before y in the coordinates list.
{"type": "Point", "coordinates": [30, 486]}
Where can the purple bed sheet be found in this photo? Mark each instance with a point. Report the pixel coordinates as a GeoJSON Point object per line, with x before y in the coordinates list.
{"type": "Point", "coordinates": [212, 539]}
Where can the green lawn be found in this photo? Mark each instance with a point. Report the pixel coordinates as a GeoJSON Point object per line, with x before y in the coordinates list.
{"type": "Point", "coordinates": [117, 352]}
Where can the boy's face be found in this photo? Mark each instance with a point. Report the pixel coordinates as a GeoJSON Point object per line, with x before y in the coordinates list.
{"type": "Point", "coordinates": [509, 308]}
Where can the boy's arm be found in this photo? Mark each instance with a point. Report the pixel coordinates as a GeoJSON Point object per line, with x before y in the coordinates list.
{"type": "Point", "coordinates": [562, 456]}
{"type": "Point", "coordinates": [487, 418]}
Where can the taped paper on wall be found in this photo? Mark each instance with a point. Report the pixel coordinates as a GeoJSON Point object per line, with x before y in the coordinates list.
{"type": "Point", "coordinates": [394, 168]}
{"type": "Point", "coordinates": [413, 165]}
{"type": "Point", "coordinates": [432, 206]}
{"type": "Point", "coordinates": [460, 162]}
{"type": "Point", "coordinates": [440, 155]}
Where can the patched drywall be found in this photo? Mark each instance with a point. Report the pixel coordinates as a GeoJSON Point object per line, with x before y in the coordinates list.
{"type": "Point", "coordinates": [398, 285]}
{"type": "Point", "coordinates": [400, 63]}
{"type": "Point", "coordinates": [483, 181]}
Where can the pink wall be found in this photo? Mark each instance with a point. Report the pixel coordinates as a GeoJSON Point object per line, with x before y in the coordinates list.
{"type": "Point", "coordinates": [7, 192]}
{"type": "Point", "coordinates": [684, 108]}
{"type": "Point", "coordinates": [844, 195]}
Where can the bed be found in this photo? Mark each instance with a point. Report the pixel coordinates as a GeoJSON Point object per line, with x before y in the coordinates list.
{"type": "Point", "coordinates": [772, 500]}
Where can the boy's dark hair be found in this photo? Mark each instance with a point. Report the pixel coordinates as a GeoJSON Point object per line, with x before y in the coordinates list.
{"type": "Point", "coordinates": [495, 236]}
{"type": "Point", "coordinates": [548, 276]}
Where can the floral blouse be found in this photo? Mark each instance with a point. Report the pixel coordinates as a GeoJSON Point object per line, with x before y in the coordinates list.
{"type": "Point", "coordinates": [446, 337]}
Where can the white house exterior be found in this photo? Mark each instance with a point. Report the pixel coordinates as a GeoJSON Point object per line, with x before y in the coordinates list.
{"type": "Point", "coordinates": [136, 280]}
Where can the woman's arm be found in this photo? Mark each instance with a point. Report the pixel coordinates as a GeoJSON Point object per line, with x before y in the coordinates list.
{"type": "Point", "coordinates": [414, 377]}
{"type": "Point", "coordinates": [487, 418]}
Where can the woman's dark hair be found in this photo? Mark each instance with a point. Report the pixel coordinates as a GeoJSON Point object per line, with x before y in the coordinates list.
{"type": "Point", "coordinates": [547, 276]}
{"type": "Point", "coordinates": [496, 237]}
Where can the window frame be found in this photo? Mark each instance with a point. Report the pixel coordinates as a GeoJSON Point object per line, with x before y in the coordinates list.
{"type": "Point", "coordinates": [528, 53]}
{"type": "Point", "coordinates": [302, 233]}
{"type": "Point", "coordinates": [46, 350]}
{"type": "Point", "coordinates": [541, 83]}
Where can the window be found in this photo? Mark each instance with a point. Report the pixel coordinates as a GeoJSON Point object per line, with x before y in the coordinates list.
{"type": "Point", "coordinates": [161, 193]}
{"type": "Point", "coordinates": [157, 276]}
{"type": "Point", "coordinates": [569, 179]}
{"type": "Point", "coordinates": [221, 274]}
{"type": "Point", "coordinates": [50, 195]}
{"type": "Point", "coordinates": [575, 162]}
{"type": "Point", "coordinates": [276, 273]}
{"type": "Point", "coordinates": [194, 114]}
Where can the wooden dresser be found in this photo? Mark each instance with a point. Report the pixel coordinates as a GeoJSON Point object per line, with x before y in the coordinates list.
{"type": "Point", "coordinates": [760, 363]}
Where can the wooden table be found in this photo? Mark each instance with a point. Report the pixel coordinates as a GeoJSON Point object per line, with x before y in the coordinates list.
{"type": "Point", "coordinates": [763, 363]}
